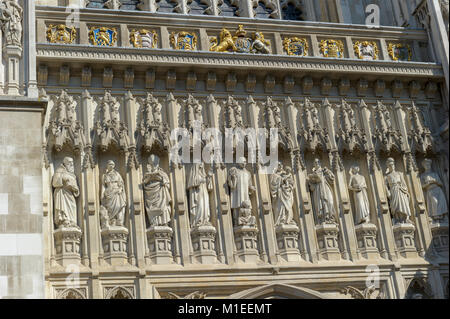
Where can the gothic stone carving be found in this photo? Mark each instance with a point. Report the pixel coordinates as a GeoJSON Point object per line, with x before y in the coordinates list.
{"type": "Point", "coordinates": [113, 198]}
{"type": "Point", "coordinates": [153, 130]}
{"type": "Point", "coordinates": [11, 14]}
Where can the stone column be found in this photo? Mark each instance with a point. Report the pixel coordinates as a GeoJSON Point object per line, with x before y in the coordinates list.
{"type": "Point", "coordinates": [135, 195]}
{"type": "Point", "coordinates": [263, 196]}
{"type": "Point", "coordinates": [177, 176]}
{"type": "Point", "coordinates": [221, 198]}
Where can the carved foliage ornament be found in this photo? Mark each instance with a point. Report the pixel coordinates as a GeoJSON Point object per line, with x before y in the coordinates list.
{"type": "Point", "coordinates": [366, 50]}
{"type": "Point", "coordinates": [103, 36]}
{"type": "Point", "coordinates": [400, 52]}
{"type": "Point", "coordinates": [61, 34]}
{"type": "Point", "coordinates": [332, 48]}
{"type": "Point", "coordinates": [183, 40]}
{"type": "Point", "coordinates": [144, 38]}
{"type": "Point", "coordinates": [296, 46]}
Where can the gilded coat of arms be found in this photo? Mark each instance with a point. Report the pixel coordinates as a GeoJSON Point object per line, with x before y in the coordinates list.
{"type": "Point", "coordinates": [240, 42]}
{"type": "Point", "coordinates": [144, 38]}
{"type": "Point", "coordinates": [183, 40]}
{"type": "Point", "coordinates": [296, 46]}
{"type": "Point", "coordinates": [61, 34]}
{"type": "Point", "coordinates": [366, 50]}
{"type": "Point", "coordinates": [103, 36]}
{"type": "Point", "coordinates": [400, 52]}
{"type": "Point", "coordinates": [332, 48]}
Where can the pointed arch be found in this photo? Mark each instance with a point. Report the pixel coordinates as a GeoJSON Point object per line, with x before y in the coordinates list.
{"type": "Point", "coordinates": [119, 293]}
{"type": "Point", "coordinates": [278, 291]}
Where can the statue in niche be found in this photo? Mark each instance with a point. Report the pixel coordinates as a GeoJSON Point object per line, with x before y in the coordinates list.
{"type": "Point", "coordinates": [199, 185]}
{"type": "Point", "coordinates": [397, 193]}
{"type": "Point", "coordinates": [11, 14]}
{"type": "Point", "coordinates": [113, 199]}
{"type": "Point", "coordinates": [66, 188]}
{"type": "Point", "coordinates": [157, 196]}
{"type": "Point", "coordinates": [322, 196]}
{"type": "Point", "coordinates": [357, 184]}
{"type": "Point", "coordinates": [282, 191]}
{"type": "Point", "coordinates": [240, 183]}
{"type": "Point", "coordinates": [246, 217]}
{"type": "Point", "coordinates": [435, 197]}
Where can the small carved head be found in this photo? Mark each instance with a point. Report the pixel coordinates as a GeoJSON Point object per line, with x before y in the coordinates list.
{"type": "Point", "coordinates": [242, 161]}
{"type": "Point", "coordinates": [426, 163]}
{"type": "Point", "coordinates": [355, 169]}
{"type": "Point", "coordinates": [153, 161]}
{"type": "Point", "coordinates": [110, 165]}
{"type": "Point", "coordinates": [390, 163]}
{"type": "Point", "coordinates": [317, 163]}
{"type": "Point", "coordinates": [68, 164]}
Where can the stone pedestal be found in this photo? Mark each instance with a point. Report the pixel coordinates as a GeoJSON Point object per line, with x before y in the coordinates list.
{"type": "Point", "coordinates": [13, 56]}
{"type": "Point", "coordinates": [327, 235]}
{"type": "Point", "coordinates": [160, 244]}
{"type": "Point", "coordinates": [404, 239]}
{"type": "Point", "coordinates": [366, 235]}
{"type": "Point", "coordinates": [114, 239]}
{"type": "Point", "coordinates": [67, 245]}
{"type": "Point", "coordinates": [440, 237]}
{"type": "Point", "coordinates": [246, 238]}
{"type": "Point", "coordinates": [204, 243]}
{"type": "Point", "coordinates": [287, 240]}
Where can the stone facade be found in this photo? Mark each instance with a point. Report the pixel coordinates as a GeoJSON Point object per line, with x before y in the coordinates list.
{"type": "Point", "coordinates": [119, 220]}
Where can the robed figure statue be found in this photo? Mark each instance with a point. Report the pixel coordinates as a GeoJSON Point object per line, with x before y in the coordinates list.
{"type": "Point", "coordinates": [434, 195]}
{"type": "Point", "coordinates": [113, 198]}
{"type": "Point", "coordinates": [199, 185]}
{"type": "Point", "coordinates": [282, 191]}
{"type": "Point", "coordinates": [321, 193]}
{"type": "Point", "coordinates": [66, 190]}
{"type": "Point", "coordinates": [157, 196]}
{"type": "Point", "coordinates": [357, 184]}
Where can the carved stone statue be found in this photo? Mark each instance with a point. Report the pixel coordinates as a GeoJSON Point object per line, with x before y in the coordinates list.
{"type": "Point", "coordinates": [66, 189]}
{"type": "Point", "coordinates": [199, 184]}
{"type": "Point", "coordinates": [357, 184]}
{"type": "Point", "coordinates": [260, 45]}
{"type": "Point", "coordinates": [246, 217]}
{"type": "Point", "coordinates": [282, 191]}
{"type": "Point", "coordinates": [156, 186]}
{"type": "Point", "coordinates": [240, 183]}
{"type": "Point", "coordinates": [113, 197]}
{"type": "Point", "coordinates": [435, 197]}
{"type": "Point", "coordinates": [11, 14]}
{"type": "Point", "coordinates": [322, 196]}
{"type": "Point", "coordinates": [397, 193]}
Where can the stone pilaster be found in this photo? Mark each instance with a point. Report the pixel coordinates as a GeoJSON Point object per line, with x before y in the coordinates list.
{"type": "Point", "coordinates": [13, 55]}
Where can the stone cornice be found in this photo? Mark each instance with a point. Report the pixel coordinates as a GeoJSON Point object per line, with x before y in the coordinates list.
{"type": "Point", "coordinates": [211, 60]}
{"type": "Point", "coordinates": [18, 103]}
